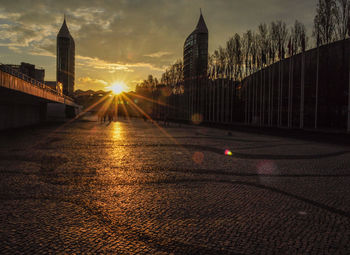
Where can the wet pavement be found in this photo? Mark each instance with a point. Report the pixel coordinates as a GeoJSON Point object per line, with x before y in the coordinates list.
{"type": "Point", "coordinates": [135, 188]}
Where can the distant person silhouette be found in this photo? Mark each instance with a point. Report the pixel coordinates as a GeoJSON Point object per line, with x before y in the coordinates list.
{"type": "Point", "coordinates": [100, 116]}
{"type": "Point", "coordinates": [110, 116]}
{"type": "Point", "coordinates": [166, 119]}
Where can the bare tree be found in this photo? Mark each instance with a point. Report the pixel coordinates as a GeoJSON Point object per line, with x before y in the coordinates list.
{"type": "Point", "coordinates": [173, 76]}
{"type": "Point", "coordinates": [234, 57]}
{"type": "Point", "coordinates": [298, 37]}
{"type": "Point", "coordinates": [247, 44]}
{"type": "Point", "coordinates": [211, 66]}
{"type": "Point", "coordinates": [325, 22]}
{"type": "Point", "coordinates": [255, 52]}
{"type": "Point", "coordinates": [230, 54]}
{"type": "Point", "coordinates": [343, 11]}
{"type": "Point", "coordinates": [274, 41]}
{"type": "Point", "coordinates": [282, 35]}
{"type": "Point", "coordinates": [216, 64]}
{"type": "Point", "coordinates": [263, 43]}
{"type": "Point", "coordinates": [238, 57]}
{"type": "Point", "coordinates": [220, 60]}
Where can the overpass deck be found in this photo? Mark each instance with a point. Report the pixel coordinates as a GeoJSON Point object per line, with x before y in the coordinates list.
{"type": "Point", "coordinates": [16, 81]}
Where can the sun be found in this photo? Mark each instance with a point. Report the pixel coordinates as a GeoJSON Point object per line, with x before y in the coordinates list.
{"type": "Point", "coordinates": [117, 87]}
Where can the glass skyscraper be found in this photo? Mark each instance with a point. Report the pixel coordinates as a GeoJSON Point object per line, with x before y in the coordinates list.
{"type": "Point", "coordinates": [196, 52]}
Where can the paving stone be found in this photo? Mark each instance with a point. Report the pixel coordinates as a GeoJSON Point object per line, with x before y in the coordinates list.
{"type": "Point", "coordinates": [127, 188]}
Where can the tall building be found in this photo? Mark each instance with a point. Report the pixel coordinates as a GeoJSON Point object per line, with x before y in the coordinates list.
{"type": "Point", "coordinates": [65, 59]}
{"type": "Point", "coordinates": [196, 51]}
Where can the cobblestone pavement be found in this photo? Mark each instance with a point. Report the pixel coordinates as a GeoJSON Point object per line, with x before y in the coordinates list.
{"type": "Point", "coordinates": [132, 188]}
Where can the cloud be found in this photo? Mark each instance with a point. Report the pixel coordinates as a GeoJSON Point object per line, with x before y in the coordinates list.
{"type": "Point", "coordinates": [15, 49]}
{"type": "Point", "coordinates": [158, 54]}
{"type": "Point", "coordinates": [96, 63]}
{"type": "Point", "coordinates": [91, 80]}
{"type": "Point", "coordinates": [41, 52]}
{"type": "Point", "coordinates": [91, 83]}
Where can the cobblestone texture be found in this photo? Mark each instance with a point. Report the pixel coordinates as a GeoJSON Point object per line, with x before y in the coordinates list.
{"type": "Point", "coordinates": [131, 188]}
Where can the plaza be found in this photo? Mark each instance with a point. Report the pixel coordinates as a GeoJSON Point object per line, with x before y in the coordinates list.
{"type": "Point", "coordinates": [136, 187]}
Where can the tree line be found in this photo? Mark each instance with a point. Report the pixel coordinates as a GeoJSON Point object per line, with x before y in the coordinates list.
{"type": "Point", "coordinates": [253, 50]}
{"type": "Point", "coordinates": [171, 78]}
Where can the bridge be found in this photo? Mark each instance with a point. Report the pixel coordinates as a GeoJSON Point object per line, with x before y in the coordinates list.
{"type": "Point", "coordinates": [25, 101]}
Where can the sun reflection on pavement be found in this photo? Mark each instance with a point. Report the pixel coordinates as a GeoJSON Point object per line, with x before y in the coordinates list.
{"type": "Point", "coordinates": [120, 160]}
{"type": "Point", "coordinates": [117, 131]}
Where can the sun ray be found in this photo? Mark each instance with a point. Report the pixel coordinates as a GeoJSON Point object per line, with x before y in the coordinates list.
{"type": "Point", "coordinates": [149, 99]}
{"type": "Point", "coordinates": [152, 121]}
{"type": "Point", "coordinates": [117, 107]}
{"type": "Point", "coordinates": [126, 112]}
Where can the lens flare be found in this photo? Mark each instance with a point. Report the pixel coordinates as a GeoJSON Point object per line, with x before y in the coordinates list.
{"type": "Point", "coordinates": [197, 118]}
{"type": "Point", "coordinates": [228, 153]}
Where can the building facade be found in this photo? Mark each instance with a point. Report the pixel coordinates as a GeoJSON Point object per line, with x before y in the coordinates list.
{"type": "Point", "coordinates": [65, 59]}
{"type": "Point", "coordinates": [29, 70]}
{"type": "Point", "coordinates": [196, 52]}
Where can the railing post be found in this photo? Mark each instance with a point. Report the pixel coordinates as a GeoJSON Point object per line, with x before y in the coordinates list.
{"type": "Point", "coordinates": [317, 80]}
{"type": "Point", "coordinates": [348, 126]}
{"type": "Point", "coordinates": [302, 90]}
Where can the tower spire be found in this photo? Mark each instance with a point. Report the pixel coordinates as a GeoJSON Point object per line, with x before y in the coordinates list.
{"type": "Point", "coordinates": [201, 26]}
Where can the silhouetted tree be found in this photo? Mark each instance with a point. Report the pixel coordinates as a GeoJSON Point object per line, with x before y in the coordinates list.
{"type": "Point", "coordinates": [281, 36]}
{"type": "Point", "coordinates": [325, 22]}
{"type": "Point", "coordinates": [234, 57]}
{"type": "Point", "coordinates": [274, 42]}
{"type": "Point", "coordinates": [263, 43]}
{"type": "Point", "coordinates": [173, 76]}
{"type": "Point", "coordinates": [343, 11]}
{"type": "Point", "coordinates": [299, 38]}
{"type": "Point", "coordinates": [220, 60]}
{"type": "Point", "coordinates": [255, 52]}
{"type": "Point", "coordinates": [247, 44]}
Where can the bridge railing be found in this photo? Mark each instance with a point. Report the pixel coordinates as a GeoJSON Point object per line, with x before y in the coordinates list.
{"type": "Point", "coordinates": [7, 69]}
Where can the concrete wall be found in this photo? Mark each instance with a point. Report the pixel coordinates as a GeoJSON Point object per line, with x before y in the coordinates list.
{"type": "Point", "coordinates": [21, 115]}
{"type": "Point", "coordinates": [18, 110]}
{"type": "Point", "coordinates": [61, 112]}
{"type": "Point", "coordinates": [56, 112]}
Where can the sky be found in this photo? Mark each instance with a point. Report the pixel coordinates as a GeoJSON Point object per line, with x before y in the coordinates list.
{"type": "Point", "coordinates": [125, 40]}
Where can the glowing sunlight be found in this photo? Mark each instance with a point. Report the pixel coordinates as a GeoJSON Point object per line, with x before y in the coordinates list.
{"type": "Point", "coordinates": [118, 87]}
{"type": "Point", "coordinates": [117, 131]}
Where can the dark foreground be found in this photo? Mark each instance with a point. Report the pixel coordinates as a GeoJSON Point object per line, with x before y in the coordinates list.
{"type": "Point", "coordinates": [130, 188]}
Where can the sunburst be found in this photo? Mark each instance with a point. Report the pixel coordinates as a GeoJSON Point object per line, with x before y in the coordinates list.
{"type": "Point", "coordinates": [118, 87]}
